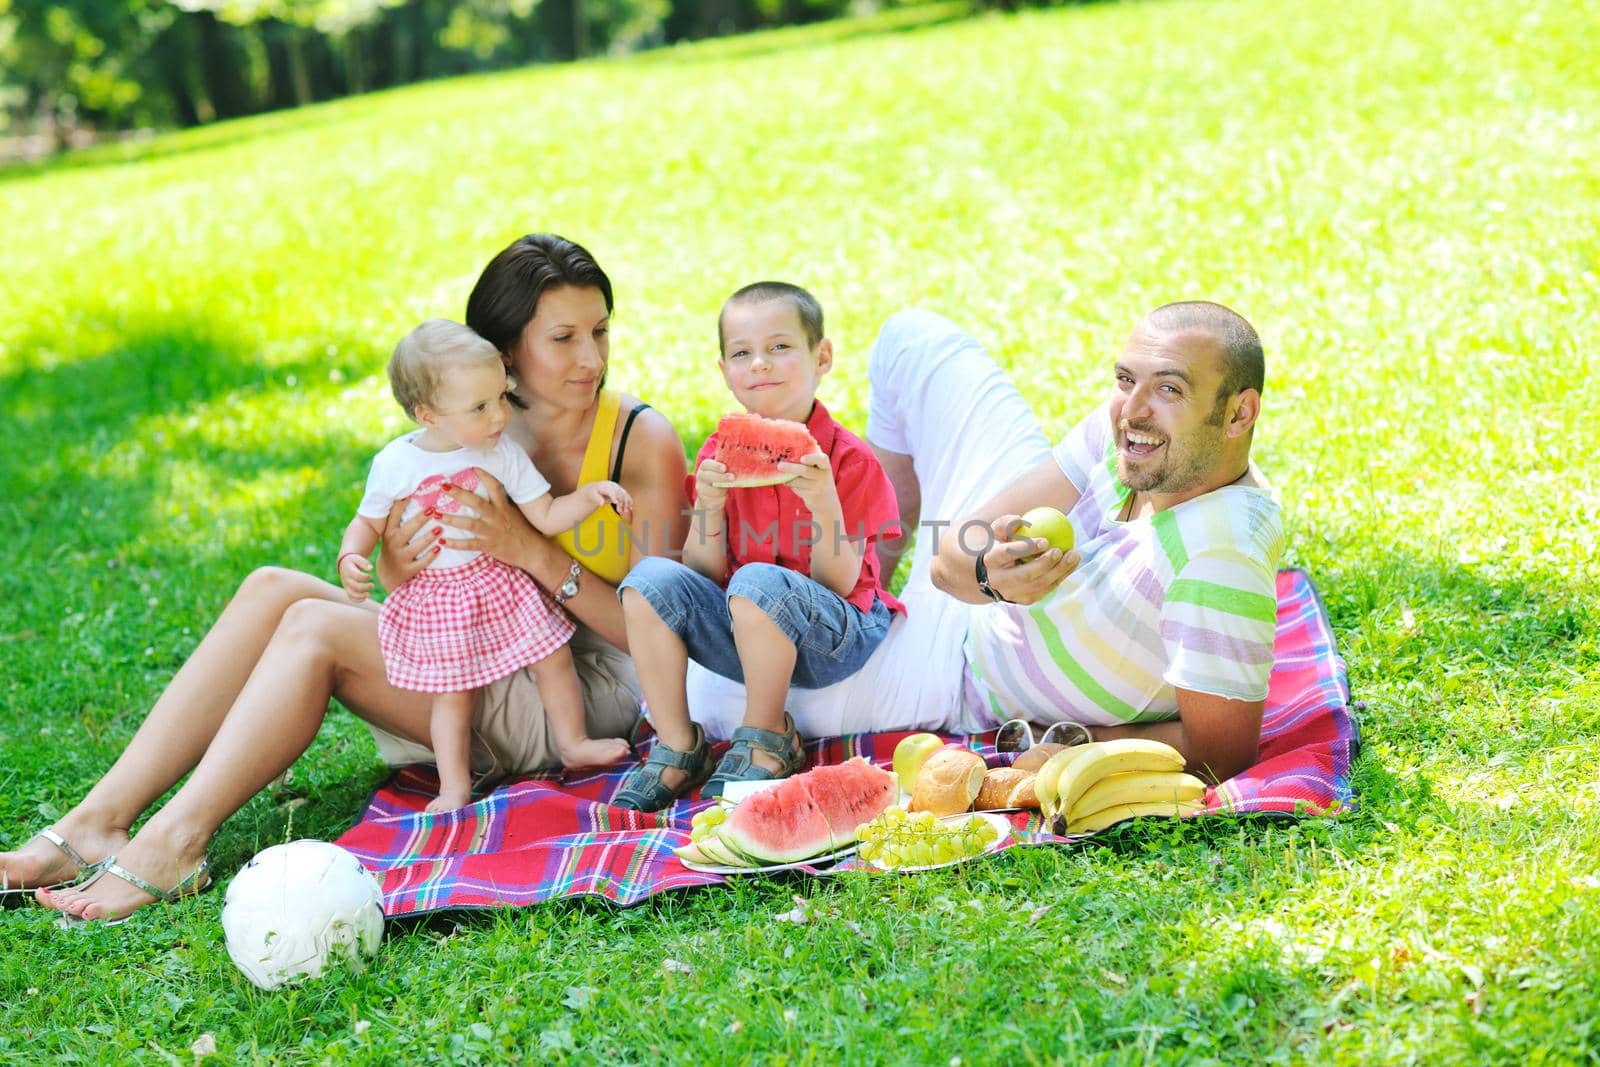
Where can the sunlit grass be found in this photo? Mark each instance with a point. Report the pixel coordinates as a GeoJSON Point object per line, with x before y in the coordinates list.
{"type": "Point", "coordinates": [1400, 196]}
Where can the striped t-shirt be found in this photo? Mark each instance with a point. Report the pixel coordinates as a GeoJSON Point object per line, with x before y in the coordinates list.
{"type": "Point", "coordinates": [1182, 600]}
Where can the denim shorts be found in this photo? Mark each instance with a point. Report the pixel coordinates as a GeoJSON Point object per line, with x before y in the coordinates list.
{"type": "Point", "coordinates": [832, 637]}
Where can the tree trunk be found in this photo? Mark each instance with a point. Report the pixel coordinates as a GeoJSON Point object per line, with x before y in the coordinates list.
{"type": "Point", "coordinates": [299, 76]}
{"type": "Point", "coordinates": [355, 66]}
{"type": "Point", "coordinates": [580, 31]}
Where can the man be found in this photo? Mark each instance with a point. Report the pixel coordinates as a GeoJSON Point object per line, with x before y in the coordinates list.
{"type": "Point", "coordinates": [1159, 623]}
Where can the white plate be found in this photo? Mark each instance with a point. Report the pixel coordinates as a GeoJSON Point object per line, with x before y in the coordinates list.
{"type": "Point", "coordinates": [999, 822]}
{"type": "Point", "coordinates": [814, 861]}
{"type": "Point", "coordinates": [733, 792]}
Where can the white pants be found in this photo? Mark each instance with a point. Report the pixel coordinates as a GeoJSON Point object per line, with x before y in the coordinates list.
{"type": "Point", "coordinates": [937, 397]}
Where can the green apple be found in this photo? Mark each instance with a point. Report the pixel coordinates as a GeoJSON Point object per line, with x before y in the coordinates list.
{"type": "Point", "coordinates": [910, 754]}
{"type": "Point", "coordinates": [1050, 524]}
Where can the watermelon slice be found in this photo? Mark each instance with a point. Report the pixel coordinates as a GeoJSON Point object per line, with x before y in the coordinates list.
{"type": "Point", "coordinates": [778, 825]}
{"type": "Point", "coordinates": [811, 813]}
{"type": "Point", "coordinates": [851, 794]}
{"type": "Point", "coordinates": [751, 447]}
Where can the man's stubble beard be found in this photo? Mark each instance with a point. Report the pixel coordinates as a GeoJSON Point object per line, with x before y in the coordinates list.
{"type": "Point", "coordinates": [1182, 471]}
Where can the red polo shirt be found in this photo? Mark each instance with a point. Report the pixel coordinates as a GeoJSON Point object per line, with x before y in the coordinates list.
{"type": "Point", "coordinates": [770, 524]}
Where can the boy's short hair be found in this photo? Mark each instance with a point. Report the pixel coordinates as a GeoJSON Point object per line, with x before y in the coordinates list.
{"type": "Point", "coordinates": [424, 354]}
{"type": "Point", "coordinates": [805, 305]}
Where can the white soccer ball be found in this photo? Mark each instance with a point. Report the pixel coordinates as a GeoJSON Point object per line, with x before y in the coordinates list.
{"type": "Point", "coordinates": [297, 908]}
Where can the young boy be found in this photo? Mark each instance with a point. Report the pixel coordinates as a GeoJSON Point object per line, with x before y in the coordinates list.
{"type": "Point", "coordinates": [779, 585]}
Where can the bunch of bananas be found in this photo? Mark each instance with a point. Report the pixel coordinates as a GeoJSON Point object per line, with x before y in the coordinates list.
{"type": "Point", "coordinates": [1090, 787]}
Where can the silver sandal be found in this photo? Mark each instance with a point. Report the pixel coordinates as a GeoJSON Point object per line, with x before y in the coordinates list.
{"type": "Point", "coordinates": [85, 869]}
{"type": "Point", "coordinates": [198, 881]}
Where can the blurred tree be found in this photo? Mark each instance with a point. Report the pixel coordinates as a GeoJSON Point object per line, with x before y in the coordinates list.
{"type": "Point", "coordinates": [72, 58]}
{"type": "Point", "coordinates": [336, 20]}
{"type": "Point", "coordinates": [65, 64]}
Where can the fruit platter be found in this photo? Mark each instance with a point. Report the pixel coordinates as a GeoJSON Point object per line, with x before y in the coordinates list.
{"type": "Point", "coordinates": [940, 805]}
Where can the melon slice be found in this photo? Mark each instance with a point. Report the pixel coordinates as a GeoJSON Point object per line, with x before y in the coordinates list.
{"type": "Point", "coordinates": [691, 853]}
{"type": "Point", "coordinates": [779, 825]}
{"type": "Point", "coordinates": [851, 794]}
{"type": "Point", "coordinates": [751, 447]}
{"type": "Point", "coordinates": [715, 851]}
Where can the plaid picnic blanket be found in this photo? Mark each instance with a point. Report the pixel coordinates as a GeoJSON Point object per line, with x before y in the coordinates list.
{"type": "Point", "coordinates": [541, 838]}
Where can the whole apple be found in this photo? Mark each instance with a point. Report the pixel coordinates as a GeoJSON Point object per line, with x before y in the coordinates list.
{"type": "Point", "coordinates": [1050, 524]}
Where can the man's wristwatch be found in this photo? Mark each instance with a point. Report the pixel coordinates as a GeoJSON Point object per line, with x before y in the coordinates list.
{"type": "Point", "coordinates": [569, 588]}
{"type": "Point", "coordinates": [983, 582]}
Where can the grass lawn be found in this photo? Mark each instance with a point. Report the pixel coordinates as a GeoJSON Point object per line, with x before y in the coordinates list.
{"type": "Point", "coordinates": [1402, 197]}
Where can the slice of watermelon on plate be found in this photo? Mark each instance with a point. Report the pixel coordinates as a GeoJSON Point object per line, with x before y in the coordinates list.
{"type": "Point", "coordinates": [751, 447]}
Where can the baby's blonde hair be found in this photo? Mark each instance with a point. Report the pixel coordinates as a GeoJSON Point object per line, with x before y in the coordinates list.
{"type": "Point", "coordinates": [424, 355]}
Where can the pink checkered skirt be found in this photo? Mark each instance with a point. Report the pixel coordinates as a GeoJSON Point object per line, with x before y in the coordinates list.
{"type": "Point", "coordinates": [455, 629]}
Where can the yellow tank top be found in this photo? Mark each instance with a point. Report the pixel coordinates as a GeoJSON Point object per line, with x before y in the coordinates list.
{"type": "Point", "coordinates": [601, 542]}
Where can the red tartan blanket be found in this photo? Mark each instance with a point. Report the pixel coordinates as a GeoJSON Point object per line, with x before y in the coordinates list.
{"type": "Point", "coordinates": [541, 838]}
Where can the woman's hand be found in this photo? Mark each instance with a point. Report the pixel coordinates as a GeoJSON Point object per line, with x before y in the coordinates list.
{"type": "Point", "coordinates": [500, 528]}
{"type": "Point", "coordinates": [1024, 582]}
{"type": "Point", "coordinates": [407, 548]}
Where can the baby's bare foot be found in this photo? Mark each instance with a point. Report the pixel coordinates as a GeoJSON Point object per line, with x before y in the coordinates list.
{"type": "Point", "coordinates": [594, 752]}
{"type": "Point", "coordinates": [450, 800]}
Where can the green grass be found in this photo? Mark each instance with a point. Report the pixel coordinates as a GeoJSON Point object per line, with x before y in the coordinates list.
{"type": "Point", "coordinates": [1401, 196]}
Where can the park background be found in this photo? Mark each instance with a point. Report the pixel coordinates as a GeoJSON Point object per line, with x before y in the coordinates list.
{"type": "Point", "coordinates": [1400, 195]}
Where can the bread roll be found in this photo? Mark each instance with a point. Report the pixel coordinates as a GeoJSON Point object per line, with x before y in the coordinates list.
{"type": "Point", "coordinates": [1036, 757]}
{"type": "Point", "coordinates": [997, 786]}
{"type": "Point", "coordinates": [948, 782]}
{"type": "Point", "coordinates": [1022, 794]}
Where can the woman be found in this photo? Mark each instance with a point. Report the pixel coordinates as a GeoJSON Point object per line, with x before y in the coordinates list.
{"type": "Point", "coordinates": [250, 698]}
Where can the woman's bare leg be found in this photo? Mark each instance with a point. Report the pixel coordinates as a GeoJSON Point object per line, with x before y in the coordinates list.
{"type": "Point", "coordinates": [321, 648]}
{"type": "Point", "coordinates": [175, 734]}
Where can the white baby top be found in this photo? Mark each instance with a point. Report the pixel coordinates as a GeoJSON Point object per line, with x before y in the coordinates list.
{"type": "Point", "coordinates": [402, 469]}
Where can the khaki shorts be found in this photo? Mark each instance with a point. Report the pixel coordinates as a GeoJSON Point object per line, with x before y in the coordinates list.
{"type": "Point", "coordinates": [510, 732]}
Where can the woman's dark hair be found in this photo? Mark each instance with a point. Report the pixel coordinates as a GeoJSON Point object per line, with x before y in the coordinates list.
{"type": "Point", "coordinates": [508, 291]}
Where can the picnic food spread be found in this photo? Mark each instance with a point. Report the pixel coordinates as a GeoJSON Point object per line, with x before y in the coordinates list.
{"type": "Point", "coordinates": [751, 447]}
{"type": "Point", "coordinates": [810, 814]}
{"type": "Point", "coordinates": [822, 813]}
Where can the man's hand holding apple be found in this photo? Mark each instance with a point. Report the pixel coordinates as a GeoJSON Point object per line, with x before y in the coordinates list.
{"type": "Point", "coordinates": [1025, 570]}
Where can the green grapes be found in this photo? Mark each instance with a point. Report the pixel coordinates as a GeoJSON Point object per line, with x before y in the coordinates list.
{"type": "Point", "coordinates": [704, 821]}
{"type": "Point", "coordinates": [899, 838]}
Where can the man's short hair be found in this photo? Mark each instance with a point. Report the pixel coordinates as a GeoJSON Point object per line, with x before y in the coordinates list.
{"type": "Point", "coordinates": [1243, 363]}
{"type": "Point", "coordinates": [805, 305]}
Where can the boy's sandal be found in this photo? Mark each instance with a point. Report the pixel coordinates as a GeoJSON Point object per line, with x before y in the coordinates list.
{"type": "Point", "coordinates": [85, 869]}
{"type": "Point", "coordinates": [638, 734]}
{"type": "Point", "coordinates": [738, 764]}
{"type": "Point", "coordinates": [643, 789]}
{"type": "Point", "coordinates": [197, 882]}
